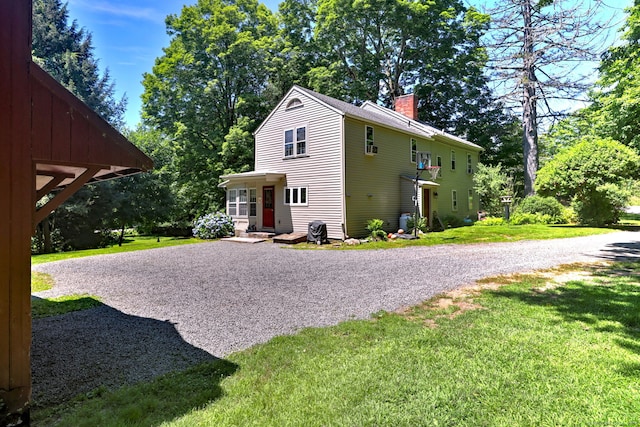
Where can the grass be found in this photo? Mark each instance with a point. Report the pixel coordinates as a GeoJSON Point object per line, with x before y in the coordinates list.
{"type": "Point", "coordinates": [41, 281]}
{"type": "Point", "coordinates": [131, 243]}
{"type": "Point", "coordinates": [45, 307]}
{"type": "Point", "coordinates": [477, 234]}
{"type": "Point", "coordinates": [560, 347]}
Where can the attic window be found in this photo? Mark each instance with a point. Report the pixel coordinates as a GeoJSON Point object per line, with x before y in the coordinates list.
{"type": "Point", "coordinates": [294, 103]}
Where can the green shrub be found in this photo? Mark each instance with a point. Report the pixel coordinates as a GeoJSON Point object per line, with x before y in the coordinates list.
{"type": "Point", "coordinates": [593, 174]}
{"type": "Point", "coordinates": [602, 206]}
{"type": "Point", "coordinates": [452, 221]}
{"type": "Point", "coordinates": [522, 218]}
{"type": "Point", "coordinates": [213, 226]}
{"type": "Point", "coordinates": [569, 216]}
{"type": "Point", "coordinates": [375, 228]}
{"type": "Point", "coordinates": [422, 224]}
{"type": "Point", "coordinates": [489, 221]}
{"type": "Point", "coordinates": [548, 206]}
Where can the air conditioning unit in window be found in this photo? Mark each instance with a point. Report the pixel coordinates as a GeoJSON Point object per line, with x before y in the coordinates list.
{"type": "Point", "coordinates": [371, 150]}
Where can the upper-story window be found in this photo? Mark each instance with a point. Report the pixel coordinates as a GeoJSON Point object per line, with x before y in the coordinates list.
{"type": "Point", "coordinates": [469, 163]}
{"type": "Point", "coordinates": [295, 142]}
{"type": "Point", "coordinates": [294, 103]}
{"type": "Point", "coordinates": [453, 160]}
{"type": "Point", "coordinates": [369, 144]}
{"type": "Point", "coordinates": [414, 149]}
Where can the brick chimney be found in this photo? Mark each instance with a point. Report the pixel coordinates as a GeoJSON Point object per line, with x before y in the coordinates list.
{"type": "Point", "coordinates": [407, 105]}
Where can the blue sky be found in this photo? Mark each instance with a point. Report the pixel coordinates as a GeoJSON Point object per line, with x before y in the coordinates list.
{"type": "Point", "coordinates": [129, 35]}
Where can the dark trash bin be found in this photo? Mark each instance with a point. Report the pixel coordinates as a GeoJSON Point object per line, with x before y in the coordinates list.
{"type": "Point", "coordinates": [317, 232]}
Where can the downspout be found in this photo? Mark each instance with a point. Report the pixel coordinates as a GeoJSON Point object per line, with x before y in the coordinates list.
{"type": "Point", "coordinates": [345, 233]}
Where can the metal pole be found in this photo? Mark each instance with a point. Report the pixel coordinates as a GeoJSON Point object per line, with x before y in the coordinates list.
{"type": "Point", "coordinates": [417, 213]}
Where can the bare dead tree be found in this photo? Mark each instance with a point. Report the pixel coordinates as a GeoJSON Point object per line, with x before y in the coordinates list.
{"type": "Point", "coordinates": [537, 55]}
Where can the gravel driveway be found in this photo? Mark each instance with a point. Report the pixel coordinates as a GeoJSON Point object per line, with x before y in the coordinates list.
{"type": "Point", "coordinates": [166, 309]}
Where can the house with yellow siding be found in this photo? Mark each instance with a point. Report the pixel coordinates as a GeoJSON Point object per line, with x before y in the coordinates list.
{"type": "Point", "coordinates": [319, 158]}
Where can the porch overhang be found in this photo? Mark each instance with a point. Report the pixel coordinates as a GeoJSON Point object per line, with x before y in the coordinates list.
{"type": "Point", "coordinates": [265, 176]}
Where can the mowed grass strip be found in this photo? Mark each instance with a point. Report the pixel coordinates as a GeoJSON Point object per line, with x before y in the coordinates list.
{"type": "Point", "coordinates": [552, 348]}
{"type": "Point", "coordinates": [476, 234]}
{"type": "Point", "coordinates": [133, 243]}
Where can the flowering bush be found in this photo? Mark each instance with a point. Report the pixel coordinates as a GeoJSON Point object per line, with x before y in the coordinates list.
{"type": "Point", "coordinates": [213, 226]}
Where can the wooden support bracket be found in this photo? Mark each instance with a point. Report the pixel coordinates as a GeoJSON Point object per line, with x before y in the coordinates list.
{"type": "Point", "coordinates": [62, 196]}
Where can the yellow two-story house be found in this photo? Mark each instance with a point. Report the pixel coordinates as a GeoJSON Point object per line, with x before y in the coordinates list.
{"type": "Point", "coordinates": [319, 158]}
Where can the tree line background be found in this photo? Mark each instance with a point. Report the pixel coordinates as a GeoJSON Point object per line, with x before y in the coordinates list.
{"type": "Point", "coordinates": [490, 77]}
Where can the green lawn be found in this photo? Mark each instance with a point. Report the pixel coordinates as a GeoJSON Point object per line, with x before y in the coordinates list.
{"type": "Point", "coordinates": [545, 349]}
{"type": "Point", "coordinates": [131, 243]}
{"type": "Point", "coordinates": [476, 234]}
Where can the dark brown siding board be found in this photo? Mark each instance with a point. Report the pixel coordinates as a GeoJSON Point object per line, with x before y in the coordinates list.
{"type": "Point", "coordinates": [15, 210]}
{"type": "Point", "coordinates": [41, 121]}
{"type": "Point", "coordinates": [21, 202]}
{"type": "Point", "coordinates": [79, 138]}
{"type": "Point", "coordinates": [60, 131]}
{"type": "Point", "coordinates": [6, 15]}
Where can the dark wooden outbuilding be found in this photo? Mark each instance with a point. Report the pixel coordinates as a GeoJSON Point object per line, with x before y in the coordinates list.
{"type": "Point", "coordinates": [48, 140]}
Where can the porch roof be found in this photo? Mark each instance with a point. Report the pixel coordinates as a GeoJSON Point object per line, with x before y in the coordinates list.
{"type": "Point", "coordinates": [263, 175]}
{"type": "Point", "coordinates": [421, 182]}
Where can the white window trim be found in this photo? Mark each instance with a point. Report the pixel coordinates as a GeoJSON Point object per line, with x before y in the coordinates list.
{"type": "Point", "coordinates": [294, 103]}
{"type": "Point", "coordinates": [439, 163]}
{"type": "Point", "coordinates": [469, 163]}
{"type": "Point", "coordinates": [232, 201]}
{"type": "Point", "coordinates": [453, 160]}
{"type": "Point", "coordinates": [289, 193]}
{"type": "Point", "coordinates": [253, 202]}
{"type": "Point", "coordinates": [414, 151]}
{"type": "Point", "coordinates": [295, 142]}
{"type": "Point", "coordinates": [454, 200]}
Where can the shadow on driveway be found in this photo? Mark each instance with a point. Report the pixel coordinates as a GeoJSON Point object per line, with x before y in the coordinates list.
{"type": "Point", "coordinates": [624, 251]}
{"type": "Point", "coordinates": [102, 348]}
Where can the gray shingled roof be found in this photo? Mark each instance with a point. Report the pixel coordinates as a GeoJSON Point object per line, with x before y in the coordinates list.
{"type": "Point", "coordinates": [367, 115]}
{"type": "Point", "coordinates": [383, 116]}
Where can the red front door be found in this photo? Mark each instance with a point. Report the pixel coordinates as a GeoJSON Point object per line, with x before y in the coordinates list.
{"type": "Point", "coordinates": [268, 217]}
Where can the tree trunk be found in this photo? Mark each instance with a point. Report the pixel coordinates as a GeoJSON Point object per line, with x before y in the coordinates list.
{"type": "Point", "coordinates": [121, 239]}
{"type": "Point", "coordinates": [529, 111]}
{"type": "Point", "coordinates": [46, 236]}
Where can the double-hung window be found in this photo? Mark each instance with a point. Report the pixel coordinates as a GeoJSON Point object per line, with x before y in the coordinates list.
{"type": "Point", "coordinates": [237, 202]}
{"type": "Point", "coordinates": [295, 196]}
{"type": "Point", "coordinates": [454, 200]}
{"type": "Point", "coordinates": [232, 202]}
{"type": "Point", "coordinates": [252, 202]}
{"type": "Point", "coordinates": [295, 142]}
{"type": "Point", "coordinates": [414, 150]}
{"type": "Point", "coordinates": [469, 163]}
{"type": "Point", "coordinates": [242, 202]}
{"type": "Point", "coordinates": [453, 160]}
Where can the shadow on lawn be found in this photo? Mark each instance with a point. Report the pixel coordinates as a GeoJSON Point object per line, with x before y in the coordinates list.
{"type": "Point", "coordinates": [601, 304]}
{"type": "Point", "coordinates": [88, 352]}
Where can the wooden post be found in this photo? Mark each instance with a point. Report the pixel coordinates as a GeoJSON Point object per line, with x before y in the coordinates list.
{"type": "Point", "coordinates": [17, 191]}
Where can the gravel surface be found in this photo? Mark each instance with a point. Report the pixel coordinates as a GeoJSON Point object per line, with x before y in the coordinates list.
{"type": "Point", "coordinates": [166, 309]}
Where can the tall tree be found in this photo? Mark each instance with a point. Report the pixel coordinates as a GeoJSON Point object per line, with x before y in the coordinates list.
{"type": "Point", "coordinates": [376, 50]}
{"type": "Point", "coordinates": [212, 74]}
{"type": "Point", "coordinates": [615, 112]}
{"type": "Point", "coordinates": [535, 51]}
{"type": "Point", "coordinates": [65, 51]}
